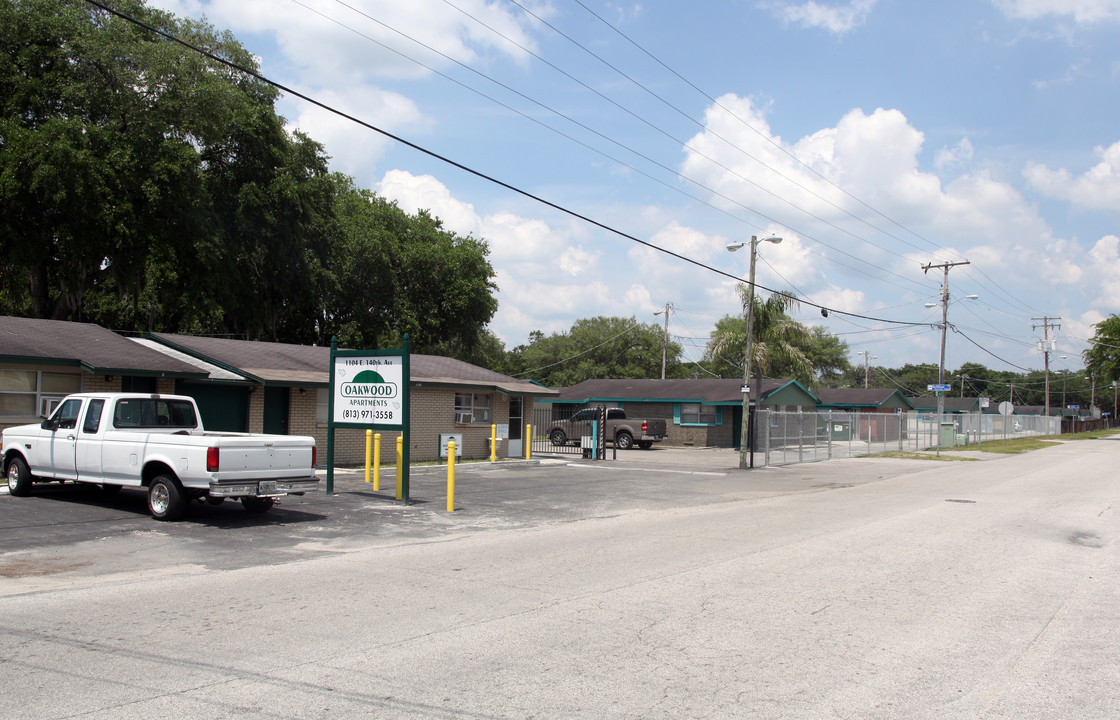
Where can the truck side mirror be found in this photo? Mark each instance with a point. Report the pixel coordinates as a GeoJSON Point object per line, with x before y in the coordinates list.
{"type": "Point", "coordinates": [47, 425]}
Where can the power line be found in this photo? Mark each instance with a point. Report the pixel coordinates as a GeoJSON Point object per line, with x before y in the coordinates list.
{"type": "Point", "coordinates": [621, 145]}
{"type": "Point", "coordinates": [715, 101]}
{"type": "Point", "coordinates": [465, 168]}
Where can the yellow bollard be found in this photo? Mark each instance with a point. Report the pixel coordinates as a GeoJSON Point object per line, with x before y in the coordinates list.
{"type": "Point", "coordinates": [451, 476]}
{"type": "Point", "coordinates": [493, 443]}
{"type": "Point", "coordinates": [377, 462]}
{"type": "Point", "coordinates": [369, 441]}
{"type": "Point", "coordinates": [400, 466]}
{"type": "Point", "coordinates": [528, 439]}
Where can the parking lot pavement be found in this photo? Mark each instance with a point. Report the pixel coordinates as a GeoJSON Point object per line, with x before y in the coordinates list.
{"type": "Point", "coordinates": [644, 588]}
{"type": "Point", "coordinates": [64, 534]}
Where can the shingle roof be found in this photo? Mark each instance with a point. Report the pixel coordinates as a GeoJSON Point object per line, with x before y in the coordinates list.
{"type": "Point", "coordinates": [706, 390]}
{"type": "Point", "coordinates": [309, 365]}
{"type": "Point", "coordinates": [856, 397]}
{"type": "Point", "coordinates": [952, 404]}
{"type": "Point", "coordinates": [85, 345]}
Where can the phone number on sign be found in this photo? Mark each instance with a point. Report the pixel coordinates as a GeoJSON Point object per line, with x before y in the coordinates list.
{"type": "Point", "coordinates": [367, 415]}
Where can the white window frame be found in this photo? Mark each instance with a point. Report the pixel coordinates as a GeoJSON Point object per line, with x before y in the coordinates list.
{"type": "Point", "coordinates": [474, 408]}
{"type": "Point", "coordinates": [712, 412]}
{"type": "Point", "coordinates": [45, 402]}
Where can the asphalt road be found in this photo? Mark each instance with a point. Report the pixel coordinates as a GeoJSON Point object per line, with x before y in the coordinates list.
{"type": "Point", "coordinates": [664, 585]}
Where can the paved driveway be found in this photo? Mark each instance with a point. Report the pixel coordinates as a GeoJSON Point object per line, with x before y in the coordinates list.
{"type": "Point", "coordinates": [639, 589]}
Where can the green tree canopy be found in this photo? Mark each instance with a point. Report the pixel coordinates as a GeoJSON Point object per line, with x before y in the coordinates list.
{"type": "Point", "coordinates": [108, 137]}
{"type": "Point", "coordinates": [781, 346]}
{"type": "Point", "coordinates": [598, 347]}
{"type": "Point", "coordinates": [147, 187]}
{"type": "Point", "coordinates": [1103, 356]}
{"type": "Point", "coordinates": [394, 273]}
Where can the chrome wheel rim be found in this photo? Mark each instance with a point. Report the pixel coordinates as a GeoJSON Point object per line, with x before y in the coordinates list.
{"type": "Point", "coordinates": [13, 476]}
{"type": "Point", "coordinates": [160, 499]}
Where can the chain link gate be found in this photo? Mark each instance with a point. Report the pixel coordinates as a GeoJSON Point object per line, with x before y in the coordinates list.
{"type": "Point", "coordinates": [566, 431]}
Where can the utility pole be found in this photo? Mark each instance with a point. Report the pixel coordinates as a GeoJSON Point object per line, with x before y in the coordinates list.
{"type": "Point", "coordinates": [1047, 346]}
{"type": "Point", "coordinates": [944, 324]}
{"type": "Point", "coordinates": [665, 341]}
{"type": "Point", "coordinates": [867, 358]}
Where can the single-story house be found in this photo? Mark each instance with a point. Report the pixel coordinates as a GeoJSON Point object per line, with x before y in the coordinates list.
{"type": "Point", "coordinates": [42, 361]}
{"type": "Point", "coordinates": [246, 386]}
{"type": "Point", "coordinates": [850, 404]}
{"type": "Point", "coordinates": [447, 396]}
{"type": "Point", "coordinates": [698, 412]}
{"type": "Point", "coordinates": [927, 405]}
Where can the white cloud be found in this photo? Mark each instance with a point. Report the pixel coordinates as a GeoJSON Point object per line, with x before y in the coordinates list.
{"type": "Point", "coordinates": [874, 157]}
{"type": "Point", "coordinates": [1106, 271]}
{"type": "Point", "coordinates": [1098, 188]}
{"type": "Point", "coordinates": [377, 38]}
{"type": "Point", "coordinates": [960, 155]}
{"type": "Point", "coordinates": [1083, 11]}
{"type": "Point", "coordinates": [837, 19]}
{"type": "Point", "coordinates": [354, 149]}
{"type": "Point", "coordinates": [423, 192]}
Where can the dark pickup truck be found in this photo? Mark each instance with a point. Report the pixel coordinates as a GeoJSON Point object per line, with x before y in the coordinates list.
{"type": "Point", "coordinates": [624, 432]}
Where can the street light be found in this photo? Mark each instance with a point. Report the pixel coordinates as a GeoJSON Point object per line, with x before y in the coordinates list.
{"type": "Point", "coordinates": [746, 424]}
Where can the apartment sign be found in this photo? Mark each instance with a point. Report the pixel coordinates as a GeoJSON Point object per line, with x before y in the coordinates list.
{"type": "Point", "coordinates": [368, 390]}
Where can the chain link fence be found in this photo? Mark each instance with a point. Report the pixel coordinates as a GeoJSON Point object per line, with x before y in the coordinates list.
{"type": "Point", "coordinates": [785, 438]}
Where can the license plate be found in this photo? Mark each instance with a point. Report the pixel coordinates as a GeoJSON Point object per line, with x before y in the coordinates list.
{"type": "Point", "coordinates": [267, 487]}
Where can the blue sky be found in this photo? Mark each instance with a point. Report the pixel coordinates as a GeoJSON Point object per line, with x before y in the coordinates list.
{"type": "Point", "coordinates": [874, 136]}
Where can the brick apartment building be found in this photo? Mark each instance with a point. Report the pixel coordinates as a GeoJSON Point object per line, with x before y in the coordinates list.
{"type": "Point", "coordinates": [246, 386]}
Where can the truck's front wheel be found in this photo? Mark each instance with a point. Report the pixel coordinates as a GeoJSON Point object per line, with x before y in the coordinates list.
{"type": "Point", "coordinates": [19, 478]}
{"type": "Point", "coordinates": [257, 505]}
{"type": "Point", "coordinates": [165, 498]}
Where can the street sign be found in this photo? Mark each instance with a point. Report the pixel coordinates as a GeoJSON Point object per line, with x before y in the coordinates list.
{"type": "Point", "coordinates": [939, 388]}
{"type": "Point", "coordinates": [1006, 408]}
{"type": "Point", "coordinates": [745, 389]}
{"type": "Point", "coordinates": [1074, 407]}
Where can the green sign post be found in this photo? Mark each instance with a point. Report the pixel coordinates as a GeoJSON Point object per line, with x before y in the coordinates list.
{"type": "Point", "coordinates": [369, 391]}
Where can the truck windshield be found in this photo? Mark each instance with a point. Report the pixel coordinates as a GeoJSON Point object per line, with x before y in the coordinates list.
{"type": "Point", "coordinates": [154, 413]}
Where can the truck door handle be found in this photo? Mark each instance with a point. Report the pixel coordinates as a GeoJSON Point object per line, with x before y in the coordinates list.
{"type": "Point", "coordinates": [70, 437]}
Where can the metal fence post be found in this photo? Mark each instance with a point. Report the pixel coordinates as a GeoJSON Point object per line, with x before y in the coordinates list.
{"type": "Point", "coordinates": [800, 437]}
{"type": "Point", "coordinates": [766, 456]}
{"type": "Point", "coordinates": [828, 433]}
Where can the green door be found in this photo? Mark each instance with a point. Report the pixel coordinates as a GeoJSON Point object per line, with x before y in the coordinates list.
{"type": "Point", "coordinates": [276, 410]}
{"type": "Point", "coordinates": [223, 408]}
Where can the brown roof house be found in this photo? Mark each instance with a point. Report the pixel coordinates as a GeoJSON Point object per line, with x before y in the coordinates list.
{"type": "Point", "coordinates": [851, 413]}
{"type": "Point", "coordinates": [289, 385]}
{"type": "Point", "coordinates": [42, 361]}
{"type": "Point", "coordinates": [244, 386]}
{"type": "Point", "coordinates": [698, 412]}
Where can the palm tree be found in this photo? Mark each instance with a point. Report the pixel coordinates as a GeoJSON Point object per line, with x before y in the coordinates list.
{"type": "Point", "coordinates": [779, 345]}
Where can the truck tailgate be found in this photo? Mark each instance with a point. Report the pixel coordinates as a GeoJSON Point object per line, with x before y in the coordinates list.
{"type": "Point", "coordinates": [267, 457]}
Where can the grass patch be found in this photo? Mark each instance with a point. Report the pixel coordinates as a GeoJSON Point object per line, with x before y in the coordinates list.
{"type": "Point", "coordinates": [1014, 446]}
{"type": "Point", "coordinates": [908, 455]}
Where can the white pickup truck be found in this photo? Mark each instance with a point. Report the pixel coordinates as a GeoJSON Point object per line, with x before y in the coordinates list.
{"type": "Point", "coordinates": [156, 442]}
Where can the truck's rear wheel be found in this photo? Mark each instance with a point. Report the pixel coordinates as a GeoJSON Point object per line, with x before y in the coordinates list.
{"type": "Point", "coordinates": [19, 478]}
{"type": "Point", "coordinates": [645, 444]}
{"type": "Point", "coordinates": [257, 505]}
{"type": "Point", "coordinates": [624, 441]}
{"type": "Point", "coordinates": [558, 437]}
{"type": "Point", "coordinates": [165, 498]}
